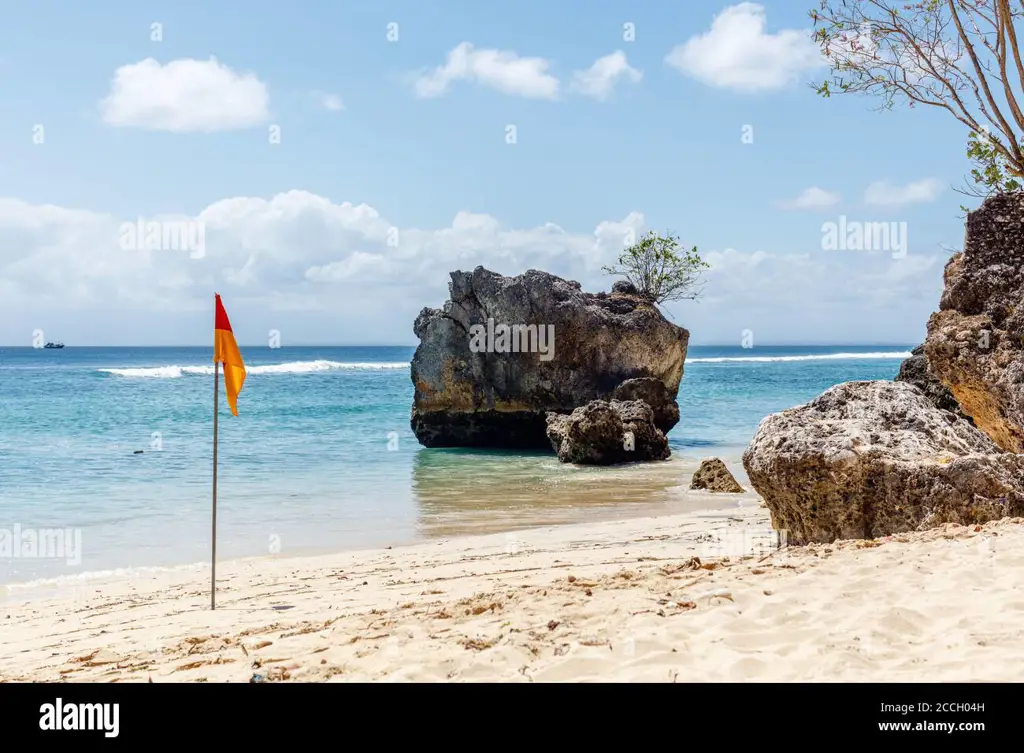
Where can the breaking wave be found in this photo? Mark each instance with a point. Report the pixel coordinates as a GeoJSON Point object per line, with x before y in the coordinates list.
{"type": "Point", "coordinates": [894, 355]}
{"type": "Point", "coordinates": [310, 367]}
{"type": "Point", "coordinates": [292, 367]}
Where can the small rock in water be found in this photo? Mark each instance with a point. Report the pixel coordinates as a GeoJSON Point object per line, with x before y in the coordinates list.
{"type": "Point", "coordinates": [714, 476]}
{"type": "Point", "coordinates": [138, 452]}
{"type": "Point", "coordinates": [606, 433]}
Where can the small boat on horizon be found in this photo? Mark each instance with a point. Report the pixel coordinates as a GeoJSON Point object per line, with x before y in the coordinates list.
{"type": "Point", "coordinates": [53, 345]}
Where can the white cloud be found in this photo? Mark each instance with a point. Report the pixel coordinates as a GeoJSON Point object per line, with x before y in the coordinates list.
{"type": "Point", "coordinates": [185, 96]}
{"type": "Point", "coordinates": [824, 297]}
{"type": "Point", "coordinates": [883, 193]}
{"type": "Point", "coordinates": [352, 267]}
{"type": "Point", "coordinates": [739, 53]}
{"type": "Point", "coordinates": [502, 70]}
{"type": "Point", "coordinates": [811, 198]}
{"type": "Point", "coordinates": [598, 81]}
{"type": "Point", "coordinates": [329, 101]}
{"type": "Point", "coordinates": [325, 272]}
{"type": "Point", "coordinates": [261, 246]}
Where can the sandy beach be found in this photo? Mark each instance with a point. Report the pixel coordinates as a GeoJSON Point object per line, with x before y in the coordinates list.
{"type": "Point", "coordinates": [666, 599]}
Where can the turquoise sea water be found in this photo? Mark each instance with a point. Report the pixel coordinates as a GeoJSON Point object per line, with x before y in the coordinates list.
{"type": "Point", "coordinates": [321, 457]}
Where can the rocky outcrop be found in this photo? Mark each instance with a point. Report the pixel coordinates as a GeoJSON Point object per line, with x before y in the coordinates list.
{"type": "Point", "coordinates": [867, 459]}
{"type": "Point", "coordinates": [975, 342]}
{"type": "Point", "coordinates": [655, 394]}
{"type": "Point", "coordinates": [916, 371]}
{"type": "Point", "coordinates": [714, 476]}
{"type": "Point", "coordinates": [504, 351]}
{"type": "Point", "coordinates": [606, 433]}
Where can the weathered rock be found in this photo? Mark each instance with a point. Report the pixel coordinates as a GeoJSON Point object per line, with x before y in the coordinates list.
{"type": "Point", "coordinates": [714, 476]}
{"type": "Point", "coordinates": [916, 371]}
{"type": "Point", "coordinates": [471, 392]}
{"type": "Point", "coordinates": [975, 342]}
{"type": "Point", "coordinates": [624, 287]}
{"type": "Point", "coordinates": [867, 459]}
{"type": "Point", "coordinates": [655, 394]}
{"type": "Point", "coordinates": [607, 432]}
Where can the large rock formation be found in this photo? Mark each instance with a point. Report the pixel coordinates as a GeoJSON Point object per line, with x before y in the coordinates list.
{"type": "Point", "coordinates": [607, 433]}
{"type": "Point", "coordinates": [916, 371]}
{"type": "Point", "coordinates": [714, 476]}
{"type": "Point", "coordinates": [867, 459]}
{"type": "Point", "coordinates": [477, 385]}
{"type": "Point", "coordinates": [975, 342]}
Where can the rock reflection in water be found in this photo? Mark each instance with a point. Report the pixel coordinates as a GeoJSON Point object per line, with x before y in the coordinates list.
{"type": "Point", "coordinates": [459, 492]}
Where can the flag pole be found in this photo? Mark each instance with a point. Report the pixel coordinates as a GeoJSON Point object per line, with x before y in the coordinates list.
{"type": "Point", "coordinates": [213, 553]}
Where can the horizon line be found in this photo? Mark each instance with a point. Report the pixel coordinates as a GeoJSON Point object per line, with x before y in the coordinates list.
{"type": "Point", "coordinates": [342, 345]}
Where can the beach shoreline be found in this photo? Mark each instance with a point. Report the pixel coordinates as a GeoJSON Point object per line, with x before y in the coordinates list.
{"type": "Point", "coordinates": [133, 467]}
{"type": "Point", "coordinates": [665, 599]}
{"type": "Point", "coordinates": [583, 495]}
{"type": "Point", "coordinates": [479, 494]}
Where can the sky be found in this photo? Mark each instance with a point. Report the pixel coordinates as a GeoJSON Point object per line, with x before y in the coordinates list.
{"type": "Point", "coordinates": [330, 163]}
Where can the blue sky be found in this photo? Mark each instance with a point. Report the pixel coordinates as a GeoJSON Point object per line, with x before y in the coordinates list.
{"type": "Point", "coordinates": [646, 138]}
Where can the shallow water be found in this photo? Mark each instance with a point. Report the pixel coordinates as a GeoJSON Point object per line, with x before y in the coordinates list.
{"type": "Point", "coordinates": [321, 457]}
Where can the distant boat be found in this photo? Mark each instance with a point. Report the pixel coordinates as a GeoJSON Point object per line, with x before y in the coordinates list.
{"type": "Point", "coordinates": [54, 345]}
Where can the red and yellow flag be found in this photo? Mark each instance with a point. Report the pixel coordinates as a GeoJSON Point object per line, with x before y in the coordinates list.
{"type": "Point", "coordinates": [225, 351]}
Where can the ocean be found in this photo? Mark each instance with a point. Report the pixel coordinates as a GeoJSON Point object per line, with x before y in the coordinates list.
{"type": "Point", "coordinates": [321, 457]}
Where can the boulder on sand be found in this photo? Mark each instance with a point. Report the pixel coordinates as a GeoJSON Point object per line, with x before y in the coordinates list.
{"type": "Point", "coordinates": [868, 459]}
{"type": "Point", "coordinates": [504, 351]}
{"type": "Point", "coordinates": [714, 476]}
{"type": "Point", "coordinates": [975, 342]}
{"type": "Point", "coordinates": [606, 433]}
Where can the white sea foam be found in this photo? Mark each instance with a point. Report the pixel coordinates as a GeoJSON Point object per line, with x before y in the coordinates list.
{"type": "Point", "coordinates": [292, 367]}
{"type": "Point", "coordinates": [892, 355]}
{"type": "Point", "coordinates": [73, 580]}
{"type": "Point", "coordinates": [309, 367]}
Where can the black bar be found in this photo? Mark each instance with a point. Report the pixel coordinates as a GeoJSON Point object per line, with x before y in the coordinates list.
{"type": "Point", "coordinates": [255, 716]}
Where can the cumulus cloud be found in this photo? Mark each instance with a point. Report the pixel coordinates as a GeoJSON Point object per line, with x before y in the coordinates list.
{"type": "Point", "coordinates": [739, 53]}
{"type": "Point", "coordinates": [295, 241]}
{"type": "Point", "coordinates": [795, 298]}
{"type": "Point", "coordinates": [502, 70]}
{"type": "Point", "coordinates": [185, 96]}
{"type": "Point", "coordinates": [811, 199]}
{"type": "Point", "coordinates": [884, 194]}
{"type": "Point", "coordinates": [343, 272]}
{"type": "Point", "coordinates": [353, 267]}
{"type": "Point", "coordinates": [599, 80]}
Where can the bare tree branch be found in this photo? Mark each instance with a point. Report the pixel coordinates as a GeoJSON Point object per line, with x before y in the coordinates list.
{"type": "Point", "coordinates": [953, 55]}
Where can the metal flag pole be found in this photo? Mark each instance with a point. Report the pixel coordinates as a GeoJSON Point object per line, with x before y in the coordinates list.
{"type": "Point", "coordinates": [213, 554]}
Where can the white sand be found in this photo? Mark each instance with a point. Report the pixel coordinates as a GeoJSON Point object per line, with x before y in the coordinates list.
{"type": "Point", "coordinates": [619, 601]}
